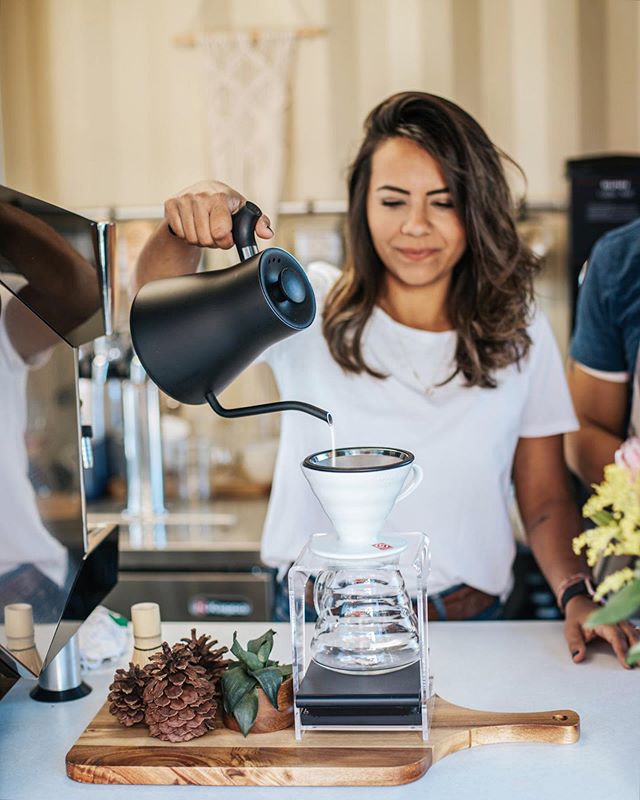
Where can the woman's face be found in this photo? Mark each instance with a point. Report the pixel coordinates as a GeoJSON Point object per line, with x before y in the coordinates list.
{"type": "Point", "coordinates": [415, 230]}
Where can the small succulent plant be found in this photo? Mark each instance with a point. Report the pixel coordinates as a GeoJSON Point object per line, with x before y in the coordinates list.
{"type": "Point", "coordinates": [252, 671]}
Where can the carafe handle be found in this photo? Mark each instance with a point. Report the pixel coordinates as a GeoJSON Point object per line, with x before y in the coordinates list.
{"type": "Point", "coordinates": [414, 479]}
{"type": "Point", "coordinates": [319, 585]}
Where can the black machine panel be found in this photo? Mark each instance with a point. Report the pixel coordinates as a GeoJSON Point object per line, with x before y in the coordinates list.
{"type": "Point", "coordinates": [604, 194]}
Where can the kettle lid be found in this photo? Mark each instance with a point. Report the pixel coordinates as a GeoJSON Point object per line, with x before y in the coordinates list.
{"type": "Point", "coordinates": [287, 288]}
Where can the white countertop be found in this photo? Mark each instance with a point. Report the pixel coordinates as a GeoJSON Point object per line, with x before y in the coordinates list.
{"type": "Point", "coordinates": [497, 666]}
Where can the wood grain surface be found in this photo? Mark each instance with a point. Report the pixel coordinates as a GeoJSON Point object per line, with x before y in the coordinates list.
{"type": "Point", "coordinates": [106, 752]}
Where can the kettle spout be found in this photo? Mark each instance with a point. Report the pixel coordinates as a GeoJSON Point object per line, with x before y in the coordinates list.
{"type": "Point", "coordinates": [268, 408]}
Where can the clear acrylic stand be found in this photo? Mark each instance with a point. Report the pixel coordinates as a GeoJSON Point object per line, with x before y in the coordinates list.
{"type": "Point", "coordinates": [331, 710]}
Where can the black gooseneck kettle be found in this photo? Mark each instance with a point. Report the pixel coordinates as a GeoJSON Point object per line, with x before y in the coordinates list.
{"type": "Point", "coordinates": [195, 333]}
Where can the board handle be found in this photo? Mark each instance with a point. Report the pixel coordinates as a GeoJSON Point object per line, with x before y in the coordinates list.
{"type": "Point", "coordinates": [561, 726]}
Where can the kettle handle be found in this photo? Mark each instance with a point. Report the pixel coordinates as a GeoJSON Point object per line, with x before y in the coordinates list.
{"type": "Point", "coordinates": [243, 229]}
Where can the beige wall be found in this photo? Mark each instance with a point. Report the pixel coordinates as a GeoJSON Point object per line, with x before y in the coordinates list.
{"type": "Point", "coordinates": [99, 107]}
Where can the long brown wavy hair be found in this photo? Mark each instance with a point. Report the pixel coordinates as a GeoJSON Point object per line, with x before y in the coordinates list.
{"type": "Point", "coordinates": [491, 293]}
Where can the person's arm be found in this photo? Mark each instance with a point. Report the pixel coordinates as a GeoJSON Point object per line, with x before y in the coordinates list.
{"type": "Point", "coordinates": [598, 371]}
{"type": "Point", "coordinates": [601, 406]}
{"type": "Point", "coordinates": [551, 521]}
{"type": "Point", "coordinates": [28, 334]}
{"type": "Point", "coordinates": [60, 283]}
{"type": "Point", "coordinates": [199, 216]}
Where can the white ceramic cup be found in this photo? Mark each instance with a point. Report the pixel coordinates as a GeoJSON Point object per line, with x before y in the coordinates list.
{"type": "Point", "coordinates": [359, 491]}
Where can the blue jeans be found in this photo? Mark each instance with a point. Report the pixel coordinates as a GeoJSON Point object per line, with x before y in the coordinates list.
{"type": "Point", "coordinates": [281, 603]}
{"type": "Point", "coordinates": [27, 584]}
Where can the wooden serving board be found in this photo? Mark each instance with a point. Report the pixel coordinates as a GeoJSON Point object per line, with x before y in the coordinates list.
{"type": "Point", "coordinates": [108, 753]}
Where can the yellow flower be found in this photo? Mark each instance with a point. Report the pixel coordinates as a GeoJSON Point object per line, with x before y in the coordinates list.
{"type": "Point", "coordinates": [615, 508]}
{"type": "Point", "coordinates": [614, 582]}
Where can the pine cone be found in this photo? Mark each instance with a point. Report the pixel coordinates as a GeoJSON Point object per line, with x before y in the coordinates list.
{"type": "Point", "coordinates": [125, 695]}
{"type": "Point", "coordinates": [203, 656]}
{"type": "Point", "coordinates": [178, 697]}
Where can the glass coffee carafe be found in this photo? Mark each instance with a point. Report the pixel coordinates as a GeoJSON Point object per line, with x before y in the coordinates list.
{"type": "Point", "coordinates": [366, 622]}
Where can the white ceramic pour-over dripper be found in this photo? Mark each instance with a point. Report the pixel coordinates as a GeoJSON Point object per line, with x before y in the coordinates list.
{"type": "Point", "coordinates": [357, 488]}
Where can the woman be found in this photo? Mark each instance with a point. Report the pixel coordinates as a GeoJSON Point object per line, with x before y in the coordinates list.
{"type": "Point", "coordinates": [428, 340]}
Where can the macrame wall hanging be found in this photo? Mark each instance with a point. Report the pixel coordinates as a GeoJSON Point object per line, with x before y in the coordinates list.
{"type": "Point", "coordinates": [247, 78]}
{"type": "Point", "coordinates": [247, 86]}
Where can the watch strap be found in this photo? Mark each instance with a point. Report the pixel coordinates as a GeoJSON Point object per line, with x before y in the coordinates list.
{"type": "Point", "coordinates": [575, 577]}
{"type": "Point", "coordinates": [582, 586]}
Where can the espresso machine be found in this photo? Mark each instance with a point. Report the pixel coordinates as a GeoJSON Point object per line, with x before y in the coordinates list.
{"type": "Point", "coordinates": [57, 273]}
{"type": "Point", "coordinates": [366, 666]}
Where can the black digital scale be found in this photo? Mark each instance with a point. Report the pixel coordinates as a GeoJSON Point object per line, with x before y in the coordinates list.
{"type": "Point", "coordinates": [329, 698]}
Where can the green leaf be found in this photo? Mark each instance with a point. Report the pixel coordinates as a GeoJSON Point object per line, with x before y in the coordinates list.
{"type": "Point", "coordinates": [619, 606]}
{"type": "Point", "coordinates": [602, 518]}
{"type": "Point", "coordinates": [270, 680]}
{"type": "Point", "coordinates": [263, 652]}
{"type": "Point", "coordinates": [633, 656]}
{"type": "Point", "coordinates": [286, 670]}
{"type": "Point", "coordinates": [251, 660]}
{"type": "Point", "coordinates": [235, 685]}
{"type": "Point", "coordinates": [262, 646]}
{"type": "Point", "coordinates": [118, 619]}
{"type": "Point", "coordinates": [246, 712]}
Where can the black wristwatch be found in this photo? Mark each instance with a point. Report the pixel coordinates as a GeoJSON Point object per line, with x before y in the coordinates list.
{"type": "Point", "coordinates": [579, 587]}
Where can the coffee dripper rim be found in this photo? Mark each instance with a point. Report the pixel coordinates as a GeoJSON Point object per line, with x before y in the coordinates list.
{"type": "Point", "coordinates": [406, 457]}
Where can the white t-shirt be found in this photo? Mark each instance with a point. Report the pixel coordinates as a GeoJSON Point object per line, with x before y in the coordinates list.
{"type": "Point", "coordinates": [463, 438]}
{"type": "Point", "coordinates": [23, 537]}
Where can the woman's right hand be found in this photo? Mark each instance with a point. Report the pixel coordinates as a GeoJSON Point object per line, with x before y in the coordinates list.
{"type": "Point", "coordinates": [201, 215]}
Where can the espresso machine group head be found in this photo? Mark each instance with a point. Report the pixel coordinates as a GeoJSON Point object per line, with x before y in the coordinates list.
{"type": "Point", "coordinates": [195, 333]}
